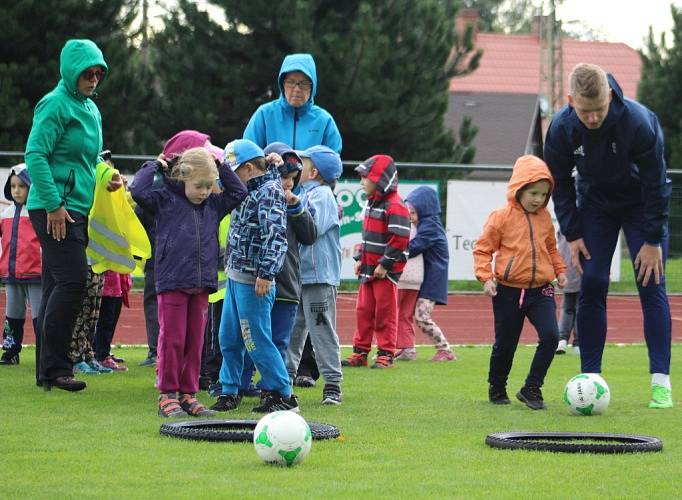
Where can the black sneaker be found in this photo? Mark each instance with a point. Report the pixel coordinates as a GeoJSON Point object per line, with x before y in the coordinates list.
{"type": "Point", "coordinates": [215, 389]}
{"type": "Point", "coordinates": [227, 402]}
{"type": "Point", "coordinates": [276, 402]}
{"type": "Point", "coordinates": [304, 381]}
{"type": "Point", "coordinates": [9, 359]}
{"type": "Point", "coordinates": [532, 397]}
{"type": "Point", "coordinates": [331, 395]}
{"type": "Point", "coordinates": [498, 395]}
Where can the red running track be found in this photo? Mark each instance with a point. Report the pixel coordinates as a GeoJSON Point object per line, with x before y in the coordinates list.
{"type": "Point", "coordinates": [467, 319]}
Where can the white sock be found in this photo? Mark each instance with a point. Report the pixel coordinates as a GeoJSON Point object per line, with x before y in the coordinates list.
{"type": "Point", "coordinates": [661, 379]}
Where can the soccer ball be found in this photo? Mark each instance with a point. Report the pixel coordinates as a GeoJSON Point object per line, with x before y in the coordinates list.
{"type": "Point", "coordinates": [282, 437]}
{"type": "Point", "coordinates": [587, 394]}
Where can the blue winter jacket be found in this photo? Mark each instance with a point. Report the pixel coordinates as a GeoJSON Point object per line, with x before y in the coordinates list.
{"type": "Point", "coordinates": [432, 243]}
{"type": "Point", "coordinates": [300, 128]}
{"type": "Point", "coordinates": [321, 262]}
{"type": "Point", "coordinates": [186, 240]}
{"type": "Point", "coordinates": [257, 241]}
{"type": "Point", "coordinates": [620, 166]}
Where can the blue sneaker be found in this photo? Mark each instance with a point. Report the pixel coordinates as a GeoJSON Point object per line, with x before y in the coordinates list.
{"type": "Point", "coordinates": [84, 368]}
{"type": "Point", "coordinates": [252, 391]}
{"type": "Point", "coordinates": [99, 367]}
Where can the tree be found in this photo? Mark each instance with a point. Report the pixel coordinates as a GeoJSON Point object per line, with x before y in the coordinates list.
{"type": "Point", "coordinates": [33, 34]}
{"type": "Point", "coordinates": [384, 67]}
{"type": "Point", "coordinates": [660, 83]}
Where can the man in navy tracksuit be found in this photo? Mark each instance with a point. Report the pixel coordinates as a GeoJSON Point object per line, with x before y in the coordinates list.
{"type": "Point", "coordinates": [616, 146]}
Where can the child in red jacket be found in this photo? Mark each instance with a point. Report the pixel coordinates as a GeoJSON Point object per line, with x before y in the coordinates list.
{"type": "Point", "coordinates": [379, 263]}
{"type": "Point", "coordinates": [20, 264]}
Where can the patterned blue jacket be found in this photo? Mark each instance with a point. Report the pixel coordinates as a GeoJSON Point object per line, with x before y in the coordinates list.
{"type": "Point", "coordinates": [257, 242]}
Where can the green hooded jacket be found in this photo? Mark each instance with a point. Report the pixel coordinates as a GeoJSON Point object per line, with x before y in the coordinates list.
{"type": "Point", "coordinates": [66, 137]}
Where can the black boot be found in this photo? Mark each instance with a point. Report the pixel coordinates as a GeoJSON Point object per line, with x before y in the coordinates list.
{"type": "Point", "coordinates": [13, 337]}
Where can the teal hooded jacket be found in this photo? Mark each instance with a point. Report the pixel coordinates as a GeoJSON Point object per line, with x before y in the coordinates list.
{"type": "Point", "coordinates": [299, 128]}
{"type": "Point", "coordinates": [66, 137]}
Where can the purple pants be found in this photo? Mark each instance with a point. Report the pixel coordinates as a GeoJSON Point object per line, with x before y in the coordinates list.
{"type": "Point", "coordinates": [182, 320]}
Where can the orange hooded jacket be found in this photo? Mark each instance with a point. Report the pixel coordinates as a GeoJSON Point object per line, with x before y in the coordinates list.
{"type": "Point", "coordinates": [523, 242]}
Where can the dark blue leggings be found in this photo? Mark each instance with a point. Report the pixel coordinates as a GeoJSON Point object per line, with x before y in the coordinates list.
{"type": "Point", "coordinates": [600, 234]}
{"type": "Point", "coordinates": [511, 309]}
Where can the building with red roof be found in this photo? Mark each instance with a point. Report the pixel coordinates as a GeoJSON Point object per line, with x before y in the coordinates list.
{"type": "Point", "coordinates": [504, 94]}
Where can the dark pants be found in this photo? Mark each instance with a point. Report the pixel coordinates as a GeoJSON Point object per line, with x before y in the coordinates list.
{"type": "Point", "coordinates": [567, 316]}
{"type": "Point", "coordinates": [151, 313]}
{"type": "Point", "coordinates": [109, 312]}
{"type": "Point", "coordinates": [211, 357]}
{"type": "Point", "coordinates": [65, 276]}
{"type": "Point", "coordinates": [308, 365]}
{"type": "Point", "coordinates": [600, 234]}
{"type": "Point", "coordinates": [511, 309]}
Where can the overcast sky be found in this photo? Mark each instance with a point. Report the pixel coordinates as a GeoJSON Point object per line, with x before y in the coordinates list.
{"type": "Point", "coordinates": [624, 21]}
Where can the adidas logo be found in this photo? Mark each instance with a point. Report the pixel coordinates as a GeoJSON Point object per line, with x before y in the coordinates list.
{"type": "Point", "coordinates": [579, 151]}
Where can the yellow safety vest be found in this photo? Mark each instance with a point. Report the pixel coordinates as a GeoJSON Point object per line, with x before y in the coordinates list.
{"type": "Point", "coordinates": [223, 230]}
{"type": "Point", "coordinates": [117, 240]}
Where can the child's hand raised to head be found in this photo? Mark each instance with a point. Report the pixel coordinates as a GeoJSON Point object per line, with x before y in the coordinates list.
{"type": "Point", "coordinates": [489, 288]}
{"type": "Point", "coordinates": [274, 159]}
{"type": "Point", "coordinates": [561, 280]}
{"type": "Point", "coordinates": [291, 198]}
{"type": "Point", "coordinates": [163, 161]}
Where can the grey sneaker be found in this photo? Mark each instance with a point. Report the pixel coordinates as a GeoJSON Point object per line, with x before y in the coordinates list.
{"type": "Point", "coordinates": [331, 395]}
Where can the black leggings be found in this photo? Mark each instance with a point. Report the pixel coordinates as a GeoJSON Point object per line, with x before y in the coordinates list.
{"type": "Point", "coordinates": [65, 276]}
{"type": "Point", "coordinates": [511, 309]}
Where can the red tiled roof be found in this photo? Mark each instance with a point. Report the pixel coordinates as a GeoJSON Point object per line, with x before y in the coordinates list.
{"type": "Point", "coordinates": [511, 64]}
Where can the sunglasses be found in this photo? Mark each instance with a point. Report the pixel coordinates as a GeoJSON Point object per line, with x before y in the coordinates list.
{"type": "Point", "coordinates": [92, 73]}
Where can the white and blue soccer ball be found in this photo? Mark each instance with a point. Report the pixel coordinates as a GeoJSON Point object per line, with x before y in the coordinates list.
{"type": "Point", "coordinates": [587, 394]}
{"type": "Point", "coordinates": [283, 438]}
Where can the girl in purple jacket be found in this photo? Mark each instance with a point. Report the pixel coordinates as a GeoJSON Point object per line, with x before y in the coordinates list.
{"type": "Point", "coordinates": [186, 266]}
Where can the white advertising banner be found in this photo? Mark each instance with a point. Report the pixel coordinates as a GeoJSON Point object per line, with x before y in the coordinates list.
{"type": "Point", "coordinates": [351, 197]}
{"type": "Point", "coordinates": [468, 205]}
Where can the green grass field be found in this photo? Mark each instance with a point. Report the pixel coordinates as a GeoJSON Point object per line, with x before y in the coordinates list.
{"type": "Point", "coordinates": [413, 432]}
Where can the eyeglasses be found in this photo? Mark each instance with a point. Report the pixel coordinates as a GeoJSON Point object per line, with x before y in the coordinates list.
{"type": "Point", "coordinates": [92, 73]}
{"type": "Point", "coordinates": [303, 85]}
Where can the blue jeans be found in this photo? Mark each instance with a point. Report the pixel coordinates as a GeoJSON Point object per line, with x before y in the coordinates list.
{"type": "Point", "coordinates": [282, 320]}
{"type": "Point", "coordinates": [600, 234]}
{"type": "Point", "coordinates": [245, 327]}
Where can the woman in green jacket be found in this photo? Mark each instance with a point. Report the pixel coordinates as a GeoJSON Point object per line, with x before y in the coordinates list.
{"type": "Point", "coordinates": [61, 154]}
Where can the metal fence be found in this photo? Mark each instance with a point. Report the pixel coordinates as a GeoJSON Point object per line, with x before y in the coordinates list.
{"type": "Point", "coordinates": [441, 172]}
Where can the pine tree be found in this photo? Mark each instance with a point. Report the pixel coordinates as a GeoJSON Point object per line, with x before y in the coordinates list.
{"type": "Point", "coordinates": [33, 34]}
{"type": "Point", "coordinates": [383, 67]}
{"type": "Point", "coordinates": [660, 83]}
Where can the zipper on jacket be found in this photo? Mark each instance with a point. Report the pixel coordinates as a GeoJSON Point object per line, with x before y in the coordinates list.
{"type": "Point", "coordinates": [507, 269]}
{"type": "Point", "coordinates": [532, 252]}
{"type": "Point", "coordinates": [293, 145]}
{"type": "Point", "coordinates": [196, 225]}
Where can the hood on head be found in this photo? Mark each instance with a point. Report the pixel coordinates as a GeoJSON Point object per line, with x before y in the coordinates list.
{"type": "Point", "coordinates": [298, 62]}
{"type": "Point", "coordinates": [292, 161]}
{"type": "Point", "coordinates": [76, 57]}
{"type": "Point", "coordinates": [20, 171]}
{"type": "Point", "coordinates": [381, 170]}
{"type": "Point", "coordinates": [182, 141]}
{"type": "Point", "coordinates": [528, 169]}
{"type": "Point", "coordinates": [425, 201]}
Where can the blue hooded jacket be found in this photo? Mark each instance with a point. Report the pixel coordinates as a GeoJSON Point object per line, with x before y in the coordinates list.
{"type": "Point", "coordinates": [620, 166]}
{"type": "Point", "coordinates": [301, 128]}
{"type": "Point", "coordinates": [431, 242]}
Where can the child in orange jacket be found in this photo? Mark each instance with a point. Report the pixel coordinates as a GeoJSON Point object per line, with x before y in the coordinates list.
{"type": "Point", "coordinates": [521, 237]}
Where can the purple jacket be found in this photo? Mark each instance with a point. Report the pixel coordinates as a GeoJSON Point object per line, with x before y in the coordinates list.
{"type": "Point", "coordinates": [186, 242]}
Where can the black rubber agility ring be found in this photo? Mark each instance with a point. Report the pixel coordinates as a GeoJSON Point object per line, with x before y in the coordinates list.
{"type": "Point", "coordinates": [232, 430]}
{"type": "Point", "coordinates": [570, 442]}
